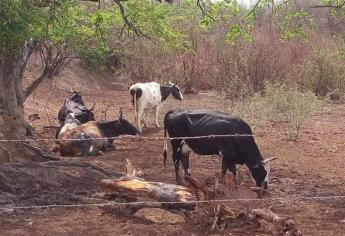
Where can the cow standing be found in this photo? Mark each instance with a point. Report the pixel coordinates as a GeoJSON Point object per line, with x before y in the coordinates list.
{"type": "Point", "coordinates": [233, 150]}
{"type": "Point", "coordinates": [151, 95]}
{"type": "Point", "coordinates": [92, 138]}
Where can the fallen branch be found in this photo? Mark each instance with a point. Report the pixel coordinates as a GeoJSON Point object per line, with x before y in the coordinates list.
{"type": "Point", "coordinates": [221, 216]}
{"type": "Point", "coordinates": [131, 184]}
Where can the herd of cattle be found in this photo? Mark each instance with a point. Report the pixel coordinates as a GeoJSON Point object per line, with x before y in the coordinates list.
{"type": "Point", "coordinates": [81, 134]}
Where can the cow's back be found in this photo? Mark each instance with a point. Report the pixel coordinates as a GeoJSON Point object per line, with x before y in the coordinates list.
{"type": "Point", "coordinates": [200, 122]}
{"type": "Point", "coordinates": [151, 94]}
{"type": "Point", "coordinates": [68, 145]}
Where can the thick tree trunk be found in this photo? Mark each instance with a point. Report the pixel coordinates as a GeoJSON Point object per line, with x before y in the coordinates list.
{"type": "Point", "coordinates": [10, 102]}
{"type": "Point", "coordinates": [12, 66]}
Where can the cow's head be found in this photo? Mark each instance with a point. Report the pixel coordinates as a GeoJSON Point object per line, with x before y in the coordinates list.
{"type": "Point", "coordinates": [75, 104]}
{"type": "Point", "coordinates": [176, 91]}
{"type": "Point", "coordinates": [125, 127]}
{"type": "Point", "coordinates": [76, 97]}
{"type": "Point", "coordinates": [261, 173]}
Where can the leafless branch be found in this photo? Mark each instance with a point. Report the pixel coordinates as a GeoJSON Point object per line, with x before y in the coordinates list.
{"type": "Point", "coordinates": [252, 11]}
{"type": "Point", "coordinates": [202, 5]}
{"type": "Point", "coordinates": [129, 23]}
{"type": "Point", "coordinates": [329, 6]}
{"type": "Point", "coordinates": [54, 59]}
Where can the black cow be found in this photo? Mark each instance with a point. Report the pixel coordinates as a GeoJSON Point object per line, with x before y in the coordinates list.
{"type": "Point", "coordinates": [233, 150]}
{"type": "Point", "coordinates": [75, 104]}
{"type": "Point", "coordinates": [87, 139]}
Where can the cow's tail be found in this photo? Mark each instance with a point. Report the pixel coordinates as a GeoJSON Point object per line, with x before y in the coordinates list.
{"type": "Point", "coordinates": [135, 105]}
{"type": "Point", "coordinates": [135, 102]}
{"type": "Point", "coordinates": [165, 147]}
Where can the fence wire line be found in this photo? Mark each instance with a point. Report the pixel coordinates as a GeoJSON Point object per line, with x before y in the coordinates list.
{"type": "Point", "coordinates": [281, 199]}
{"type": "Point", "coordinates": [137, 137]}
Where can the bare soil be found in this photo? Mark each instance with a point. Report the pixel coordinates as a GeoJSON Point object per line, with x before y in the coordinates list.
{"type": "Point", "coordinates": [312, 166]}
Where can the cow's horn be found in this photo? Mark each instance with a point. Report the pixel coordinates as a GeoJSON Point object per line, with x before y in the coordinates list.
{"type": "Point", "coordinates": [269, 159]}
{"type": "Point", "coordinates": [93, 106]}
{"type": "Point", "coordinates": [172, 84]}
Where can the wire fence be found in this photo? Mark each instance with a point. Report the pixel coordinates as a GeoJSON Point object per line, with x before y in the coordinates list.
{"type": "Point", "coordinates": [138, 137]}
{"type": "Point", "coordinates": [113, 203]}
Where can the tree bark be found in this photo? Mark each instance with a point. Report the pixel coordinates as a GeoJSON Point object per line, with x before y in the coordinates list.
{"type": "Point", "coordinates": [12, 66]}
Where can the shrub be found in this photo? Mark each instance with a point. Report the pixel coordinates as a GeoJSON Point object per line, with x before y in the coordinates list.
{"type": "Point", "coordinates": [288, 103]}
{"type": "Point", "coordinates": [280, 103]}
{"type": "Point", "coordinates": [324, 72]}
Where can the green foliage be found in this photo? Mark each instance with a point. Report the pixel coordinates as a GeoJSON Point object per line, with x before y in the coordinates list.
{"type": "Point", "coordinates": [18, 22]}
{"type": "Point", "coordinates": [324, 72]}
{"type": "Point", "coordinates": [285, 103]}
{"type": "Point", "coordinates": [288, 103]}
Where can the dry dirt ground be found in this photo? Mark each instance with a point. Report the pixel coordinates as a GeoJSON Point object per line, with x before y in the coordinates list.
{"type": "Point", "coordinates": [313, 166]}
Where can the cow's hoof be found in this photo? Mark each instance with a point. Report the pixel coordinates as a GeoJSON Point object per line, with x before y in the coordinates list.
{"type": "Point", "coordinates": [180, 182]}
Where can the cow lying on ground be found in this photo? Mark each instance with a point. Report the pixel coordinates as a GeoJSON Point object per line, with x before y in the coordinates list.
{"type": "Point", "coordinates": [75, 104]}
{"type": "Point", "coordinates": [89, 137]}
{"type": "Point", "coordinates": [151, 95]}
{"type": "Point", "coordinates": [233, 150]}
{"type": "Point", "coordinates": [70, 123]}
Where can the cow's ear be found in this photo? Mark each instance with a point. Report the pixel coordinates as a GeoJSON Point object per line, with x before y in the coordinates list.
{"type": "Point", "coordinates": [120, 114]}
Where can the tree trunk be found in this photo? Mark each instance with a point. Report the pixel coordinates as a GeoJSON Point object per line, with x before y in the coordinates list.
{"type": "Point", "coordinates": [12, 66]}
{"type": "Point", "coordinates": [10, 101]}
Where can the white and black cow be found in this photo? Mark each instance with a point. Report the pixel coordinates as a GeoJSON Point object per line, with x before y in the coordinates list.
{"type": "Point", "coordinates": [151, 95]}
{"type": "Point", "coordinates": [233, 150]}
{"type": "Point", "coordinates": [75, 104]}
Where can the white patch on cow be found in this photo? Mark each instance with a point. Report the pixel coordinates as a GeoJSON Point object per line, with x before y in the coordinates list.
{"type": "Point", "coordinates": [185, 149]}
{"type": "Point", "coordinates": [70, 123]}
{"type": "Point", "coordinates": [181, 95]}
{"type": "Point", "coordinates": [189, 171]}
{"type": "Point", "coordinates": [268, 170]}
{"type": "Point", "coordinates": [66, 128]}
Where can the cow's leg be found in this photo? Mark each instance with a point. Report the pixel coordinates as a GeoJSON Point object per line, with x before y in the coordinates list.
{"type": "Point", "coordinates": [176, 156]}
{"type": "Point", "coordinates": [157, 112]}
{"type": "Point", "coordinates": [232, 169]}
{"type": "Point", "coordinates": [227, 164]}
{"type": "Point", "coordinates": [145, 118]}
{"type": "Point", "coordinates": [140, 115]}
{"type": "Point", "coordinates": [176, 160]}
{"type": "Point", "coordinates": [224, 169]}
{"type": "Point", "coordinates": [185, 163]}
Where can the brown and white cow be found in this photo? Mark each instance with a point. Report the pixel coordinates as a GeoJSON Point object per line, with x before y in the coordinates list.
{"type": "Point", "coordinates": [93, 138]}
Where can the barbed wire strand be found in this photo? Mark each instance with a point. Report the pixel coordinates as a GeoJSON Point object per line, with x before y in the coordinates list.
{"type": "Point", "coordinates": [211, 136]}
{"type": "Point", "coordinates": [281, 199]}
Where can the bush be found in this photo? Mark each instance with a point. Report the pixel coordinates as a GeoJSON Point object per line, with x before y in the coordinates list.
{"type": "Point", "coordinates": [324, 72]}
{"type": "Point", "coordinates": [288, 103]}
{"type": "Point", "coordinates": [281, 103]}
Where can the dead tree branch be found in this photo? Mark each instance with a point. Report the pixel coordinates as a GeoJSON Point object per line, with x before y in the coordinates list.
{"type": "Point", "coordinates": [132, 185]}
{"type": "Point", "coordinates": [329, 6]}
{"type": "Point", "coordinates": [202, 5]}
{"type": "Point", "coordinates": [129, 23]}
{"type": "Point", "coordinates": [54, 59]}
